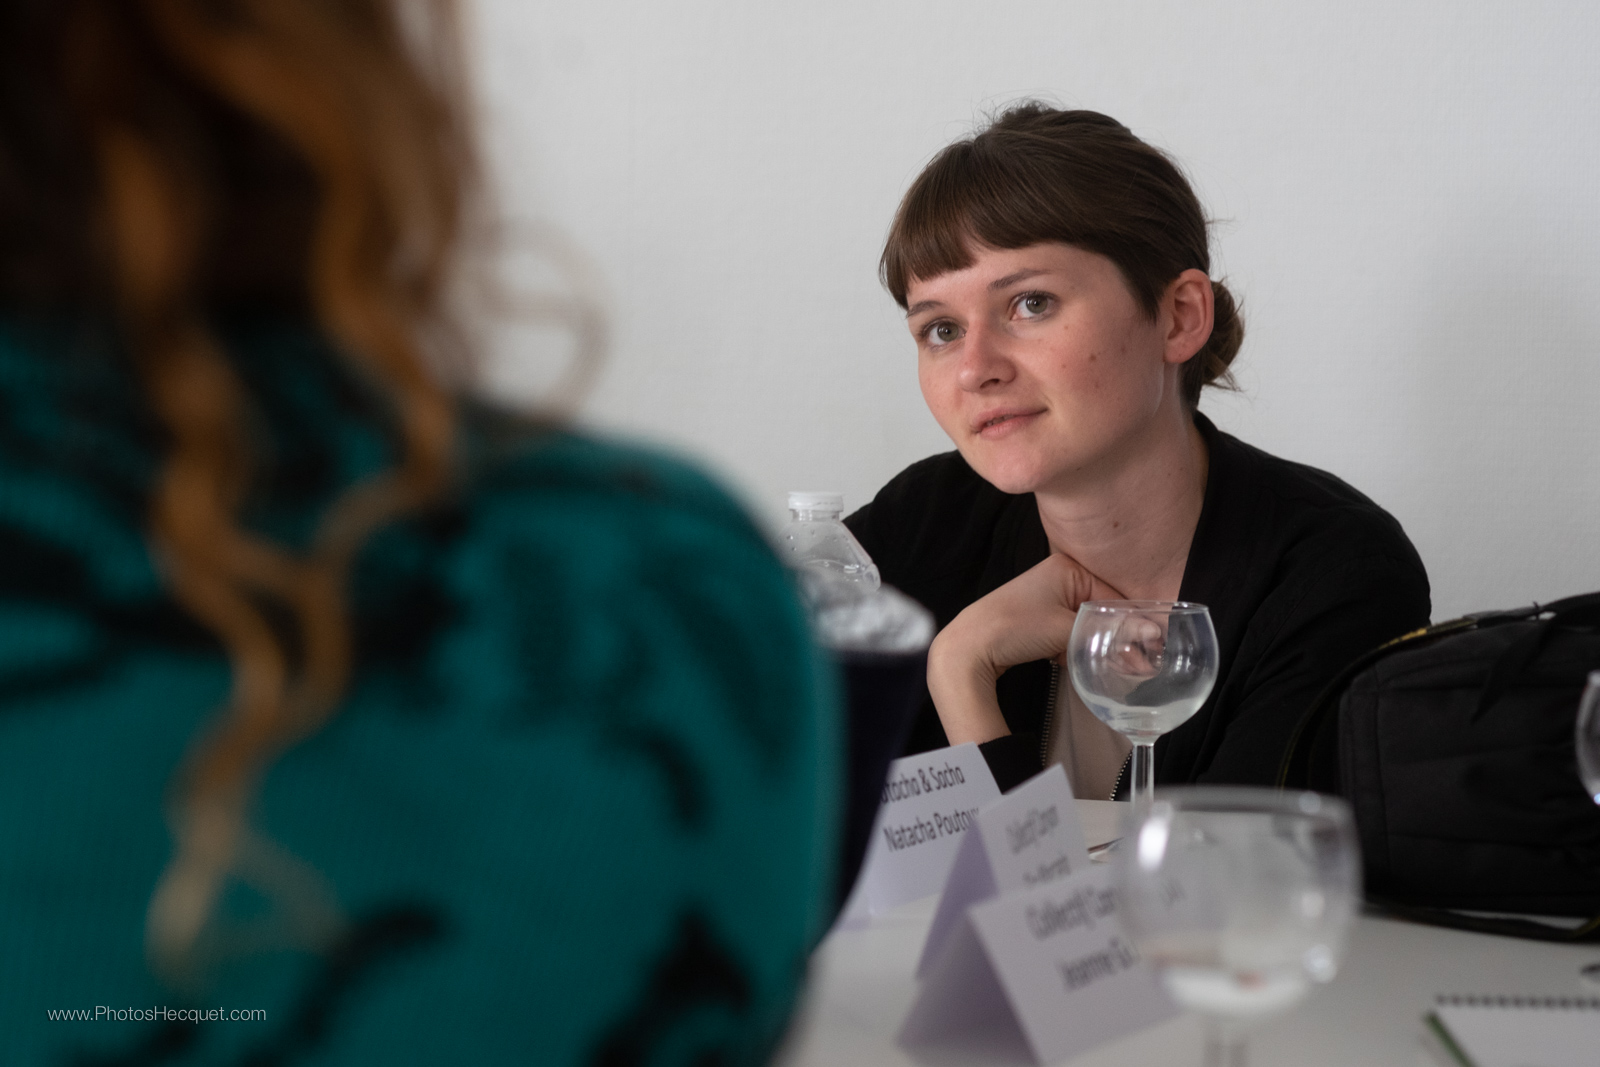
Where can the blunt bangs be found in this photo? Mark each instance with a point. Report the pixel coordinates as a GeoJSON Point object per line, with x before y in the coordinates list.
{"type": "Point", "coordinates": [1009, 187]}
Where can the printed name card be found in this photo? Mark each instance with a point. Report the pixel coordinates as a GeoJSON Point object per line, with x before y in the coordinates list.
{"type": "Point", "coordinates": [1029, 837]}
{"type": "Point", "coordinates": [1046, 971]}
{"type": "Point", "coordinates": [929, 802]}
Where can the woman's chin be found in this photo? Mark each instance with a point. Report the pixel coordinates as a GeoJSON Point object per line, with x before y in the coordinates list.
{"type": "Point", "coordinates": [1006, 477]}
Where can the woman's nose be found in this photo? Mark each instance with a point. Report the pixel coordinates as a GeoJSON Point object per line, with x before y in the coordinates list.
{"type": "Point", "coordinates": [984, 359]}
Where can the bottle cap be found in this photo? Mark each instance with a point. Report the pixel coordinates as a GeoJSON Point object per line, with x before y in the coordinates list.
{"type": "Point", "coordinates": [815, 501]}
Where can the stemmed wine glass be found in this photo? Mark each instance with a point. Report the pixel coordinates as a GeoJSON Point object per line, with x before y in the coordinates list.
{"type": "Point", "coordinates": [1588, 738]}
{"type": "Point", "coordinates": [1143, 667]}
{"type": "Point", "coordinates": [1241, 899]}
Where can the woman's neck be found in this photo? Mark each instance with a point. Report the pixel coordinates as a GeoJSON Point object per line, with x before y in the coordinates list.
{"type": "Point", "coordinates": [1131, 524]}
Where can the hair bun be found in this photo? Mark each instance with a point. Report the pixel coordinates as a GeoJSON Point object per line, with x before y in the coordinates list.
{"type": "Point", "coordinates": [1210, 365]}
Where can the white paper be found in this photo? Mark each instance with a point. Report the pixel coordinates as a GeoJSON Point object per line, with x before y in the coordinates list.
{"type": "Point", "coordinates": [1526, 1036]}
{"type": "Point", "coordinates": [929, 802]}
{"type": "Point", "coordinates": [1069, 977]}
{"type": "Point", "coordinates": [1031, 836]}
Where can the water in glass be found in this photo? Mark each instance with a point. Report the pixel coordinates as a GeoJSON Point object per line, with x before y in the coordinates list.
{"type": "Point", "coordinates": [1241, 899]}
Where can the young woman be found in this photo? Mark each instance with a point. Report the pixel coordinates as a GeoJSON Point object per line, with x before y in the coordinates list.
{"type": "Point", "coordinates": [1055, 275]}
{"type": "Point", "coordinates": [343, 720]}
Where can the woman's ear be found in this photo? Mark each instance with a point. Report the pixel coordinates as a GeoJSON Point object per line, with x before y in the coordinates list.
{"type": "Point", "coordinates": [1189, 311]}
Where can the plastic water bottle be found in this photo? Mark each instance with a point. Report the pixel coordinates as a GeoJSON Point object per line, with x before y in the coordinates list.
{"type": "Point", "coordinates": [851, 610]}
{"type": "Point", "coordinates": [819, 541]}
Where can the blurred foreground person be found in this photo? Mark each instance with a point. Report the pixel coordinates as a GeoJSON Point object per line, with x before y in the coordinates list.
{"type": "Point", "coordinates": [342, 720]}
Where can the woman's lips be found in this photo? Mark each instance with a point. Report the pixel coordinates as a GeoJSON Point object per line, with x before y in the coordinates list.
{"type": "Point", "coordinates": [1004, 424]}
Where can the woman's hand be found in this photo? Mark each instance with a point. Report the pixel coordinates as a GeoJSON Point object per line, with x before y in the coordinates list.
{"type": "Point", "coordinates": [1028, 618]}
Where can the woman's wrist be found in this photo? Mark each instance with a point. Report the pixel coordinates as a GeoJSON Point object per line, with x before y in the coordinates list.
{"type": "Point", "coordinates": [961, 681]}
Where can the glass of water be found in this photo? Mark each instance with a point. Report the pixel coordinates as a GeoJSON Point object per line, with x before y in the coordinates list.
{"type": "Point", "coordinates": [1589, 737]}
{"type": "Point", "coordinates": [1241, 899]}
{"type": "Point", "coordinates": [1143, 667]}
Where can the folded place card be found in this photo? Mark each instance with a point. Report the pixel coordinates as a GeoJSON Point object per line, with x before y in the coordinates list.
{"type": "Point", "coordinates": [929, 802]}
{"type": "Point", "coordinates": [1046, 971]}
{"type": "Point", "coordinates": [1029, 837]}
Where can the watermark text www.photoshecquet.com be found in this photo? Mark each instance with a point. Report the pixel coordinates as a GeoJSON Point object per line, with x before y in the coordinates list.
{"type": "Point", "coordinates": [102, 1013]}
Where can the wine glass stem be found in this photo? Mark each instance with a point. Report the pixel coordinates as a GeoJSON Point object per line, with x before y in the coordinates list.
{"type": "Point", "coordinates": [1225, 1044]}
{"type": "Point", "coordinates": [1143, 786]}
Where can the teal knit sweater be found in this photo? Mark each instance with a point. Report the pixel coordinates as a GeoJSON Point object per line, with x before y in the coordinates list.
{"type": "Point", "coordinates": [578, 807]}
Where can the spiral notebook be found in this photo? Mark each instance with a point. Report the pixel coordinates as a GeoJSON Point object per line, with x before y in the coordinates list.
{"type": "Point", "coordinates": [1518, 1031]}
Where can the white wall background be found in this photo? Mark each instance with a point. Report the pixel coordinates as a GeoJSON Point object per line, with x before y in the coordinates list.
{"type": "Point", "coordinates": [1408, 197]}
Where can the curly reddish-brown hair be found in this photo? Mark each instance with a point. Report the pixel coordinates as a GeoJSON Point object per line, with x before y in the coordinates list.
{"type": "Point", "coordinates": [164, 159]}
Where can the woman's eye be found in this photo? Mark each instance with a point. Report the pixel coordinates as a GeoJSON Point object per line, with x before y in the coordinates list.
{"type": "Point", "coordinates": [940, 333]}
{"type": "Point", "coordinates": [1032, 305]}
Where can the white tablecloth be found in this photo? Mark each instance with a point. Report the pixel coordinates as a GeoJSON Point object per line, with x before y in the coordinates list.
{"type": "Point", "coordinates": [861, 987]}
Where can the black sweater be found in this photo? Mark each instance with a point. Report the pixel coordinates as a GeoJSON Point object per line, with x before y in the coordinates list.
{"type": "Point", "coordinates": [1301, 572]}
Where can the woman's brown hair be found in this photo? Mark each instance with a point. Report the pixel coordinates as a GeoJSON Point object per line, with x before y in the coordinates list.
{"type": "Point", "coordinates": [163, 159]}
{"type": "Point", "coordinates": [1038, 174]}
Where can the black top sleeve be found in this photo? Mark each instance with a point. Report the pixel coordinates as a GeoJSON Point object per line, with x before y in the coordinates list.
{"type": "Point", "coordinates": [1302, 574]}
{"type": "Point", "coordinates": [1298, 641]}
{"type": "Point", "coordinates": [1012, 759]}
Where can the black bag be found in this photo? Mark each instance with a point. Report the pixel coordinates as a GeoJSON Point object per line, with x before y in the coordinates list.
{"type": "Point", "coordinates": [1454, 747]}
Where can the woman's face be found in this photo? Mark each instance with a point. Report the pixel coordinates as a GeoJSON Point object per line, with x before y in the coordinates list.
{"type": "Point", "coordinates": [1041, 365]}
